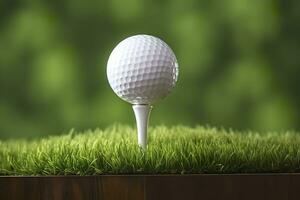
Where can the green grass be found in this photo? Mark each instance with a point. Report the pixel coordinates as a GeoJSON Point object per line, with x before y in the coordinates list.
{"type": "Point", "coordinates": [177, 149]}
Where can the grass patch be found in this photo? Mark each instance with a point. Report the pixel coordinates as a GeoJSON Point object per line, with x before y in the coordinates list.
{"type": "Point", "coordinates": [177, 150]}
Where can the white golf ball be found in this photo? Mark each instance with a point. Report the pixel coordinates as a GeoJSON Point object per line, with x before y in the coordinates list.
{"type": "Point", "coordinates": [142, 69]}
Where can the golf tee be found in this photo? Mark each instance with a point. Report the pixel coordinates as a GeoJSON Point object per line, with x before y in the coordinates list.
{"type": "Point", "coordinates": [142, 113]}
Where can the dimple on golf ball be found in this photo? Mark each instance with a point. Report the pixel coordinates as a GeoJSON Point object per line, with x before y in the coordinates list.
{"type": "Point", "coordinates": [142, 69]}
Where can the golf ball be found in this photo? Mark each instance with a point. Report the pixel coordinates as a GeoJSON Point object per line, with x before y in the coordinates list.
{"type": "Point", "coordinates": [142, 69]}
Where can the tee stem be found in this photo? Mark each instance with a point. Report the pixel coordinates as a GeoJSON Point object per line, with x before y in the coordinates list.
{"type": "Point", "coordinates": [142, 113]}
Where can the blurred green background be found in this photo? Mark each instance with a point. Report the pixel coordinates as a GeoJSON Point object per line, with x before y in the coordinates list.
{"type": "Point", "coordinates": [239, 63]}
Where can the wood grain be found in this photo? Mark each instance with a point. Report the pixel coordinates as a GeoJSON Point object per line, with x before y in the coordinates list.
{"type": "Point", "coordinates": [152, 187]}
{"type": "Point", "coordinates": [120, 187]}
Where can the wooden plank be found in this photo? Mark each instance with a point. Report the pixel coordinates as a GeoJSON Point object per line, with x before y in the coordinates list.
{"type": "Point", "coordinates": [75, 188]}
{"type": "Point", "coordinates": [220, 187]}
{"type": "Point", "coordinates": [247, 187]}
{"type": "Point", "coordinates": [18, 188]}
{"type": "Point", "coordinates": [123, 187]}
{"type": "Point", "coordinates": [277, 187]}
{"type": "Point", "coordinates": [185, 187]}
{"type": "Point", "coordinates": [152, 187]}
{"type": "Point", "coordinates": [294, 187]}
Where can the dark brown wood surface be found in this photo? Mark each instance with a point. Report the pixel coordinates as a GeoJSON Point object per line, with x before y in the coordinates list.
{"type": "Point", "coordinates": [152, 187]}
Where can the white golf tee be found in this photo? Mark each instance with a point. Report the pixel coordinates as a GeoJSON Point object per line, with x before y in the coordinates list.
{"type": "Point", "coordinates": [142, 113]}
